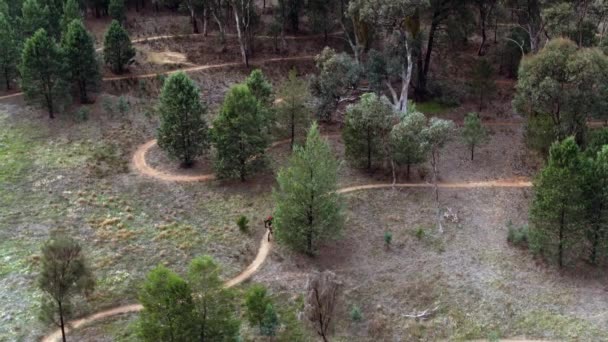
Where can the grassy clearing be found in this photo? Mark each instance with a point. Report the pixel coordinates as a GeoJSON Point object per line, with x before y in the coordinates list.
{"type": "Point", "coordinates": [432, 108]}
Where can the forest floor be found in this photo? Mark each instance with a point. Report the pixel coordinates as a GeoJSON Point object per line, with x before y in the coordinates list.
{"type": "Point", "coordinates": [76, 177]}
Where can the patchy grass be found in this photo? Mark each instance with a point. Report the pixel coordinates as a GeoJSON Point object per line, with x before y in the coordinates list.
{"type": "Point", "coordinates": [432, 108]}
{"type": "Point", "coordinates": [546, 324]}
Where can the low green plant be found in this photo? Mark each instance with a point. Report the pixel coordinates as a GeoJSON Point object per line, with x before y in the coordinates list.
{"type": "Point", "coordinates": [420, 233]}
{"type": "Point", "coordinates": [107, 106]}
{"type": "Point", "coordinates": [518, 236]}
{"type": "Point", "coordinates": [243, 223]}
{"type": "Point", "coordinates": [355, 313]}
{"type": "Point", "coordinates": [388, 238]}
{"type": "Point", "coordinates": [123, 105]}
{"type": "Point", "coordinates": [82, 114]}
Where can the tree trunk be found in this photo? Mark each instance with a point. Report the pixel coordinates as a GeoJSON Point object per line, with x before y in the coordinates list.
{"type": "Point", "coordinates": [482, 21]}
{"type": "Point", "coordinates": [472, 151]}
{"type": "Point", "coordinates": [205, 22]}
{"type": "Point", "coordinates": [369, 149]}
{"type": "Point", "coordinates": [293, 129]}
{"type": "Point", "coordinates": [423, 72]}
{"type": "Point", "coordinates": [61, 322]}
{"type": "Point", "coordinates": [560, 247]}
{"type": "Point", "coordinates": [7, 79]}
{"type": "Point", "coordinates": [49, 105]}
{"type": "Point", "coordinates": [240, 36]}
{"type": "Point", "coordinates": [194, 22]}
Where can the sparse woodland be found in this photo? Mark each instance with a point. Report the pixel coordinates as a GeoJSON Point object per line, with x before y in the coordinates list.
{"type": "Point", "coordinates": [303, 170]}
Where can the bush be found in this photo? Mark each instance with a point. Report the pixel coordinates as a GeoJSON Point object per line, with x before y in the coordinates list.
{"type": "Point", "coordinates": [107, 106]}
{"type": "Point", "coordinates": [355, 313]}
{"type": "Point", "coordinates": [82, 114]}
{"type": "Point", "coordinates": [243, 223]}
{"type": "Point", "coordinates": [447, 93]}
{"type": "Point", "coordinates": [123, 105]}
{"type": "Point", "coordinates": [388, 238]}
{"type": "Point", "coordinates": [518, 236]}
{"type": "Point", "coordinates": [420, 233]}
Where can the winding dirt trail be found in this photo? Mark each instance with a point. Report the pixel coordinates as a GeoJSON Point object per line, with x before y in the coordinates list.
{"type": "Point", "coordinates": [263, 251]}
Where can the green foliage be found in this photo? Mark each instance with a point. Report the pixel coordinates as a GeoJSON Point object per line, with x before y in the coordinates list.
{"type": "Point", "coordinates": [169, 311]}
{"type": "Point", "coordinates": [482, 81]}
{"type": "Point", "coordinates": [292, 328]}
{"type": "Point", "coordinates": [117, 10]}
{"type": "Point", "coordinates": [183, 131]}
{"type": "Point", "coordinates": [270, 322]}
{"type": "Point", "coordinates": [338, 73]}
{"type": "Point", "coordinates": [9, 51]}
{"type": "Point", "coordinates": [388, 238]}
{"type": "Point", "coordinates": [355, 313]}
{"type": "Point", "coordinates": [596, 196]}
{"type": "Point", "coordinates": [597, 140]}
{"type": "Point", "coordinates": [566, 84]}
{"type": "Point", "coordinates": [308, 210]}
{"type": "Point", "coordinates": [517, 236]}
{"type": "Point", "coordinates": [79, 53]}
{"type": "Point", "coordinates": [71, 12]}
{"type": "Point", "coordinates": [321, 14]}
{"type": "Point", "coordinates": [123, 105]}
{"type": "Point", "coordinates": [366, 130]}
{"type": "Point", "coordinates": [540, 133]}
{"type": "Point", "coordinates": [408, 143]}
{"type": "Point", "coordinates": [420, 233]}
{"type": "Point", "coordinates": [558, 205]}
{"type": "Point", "coordinates": [293, 113]}
{"type": "Point", "coordinates": [107, 106]}
{"type": "Point", "coordinates": [215, 305]}
{"type": "Point", "coordinates": [64, 274]}
{"type": "Point", "coordinates": [256, 301]}
{"type": "Point", "coordinates": [260, 87]}
{"type": "Point", "coordinates": [35, 16]}
{"type": "Point", "coordinates": [117, 48]}
{"type": "Point", "coordinates": [82, 114]}
{"type": "Point", "coordinates": [473, 132]}
{"type": "Point", "coordinates": [243, 223]}
{"type": "Point", "coordinates": [239, 135]}
{"type": "Point", "coordinates": [43, 72]}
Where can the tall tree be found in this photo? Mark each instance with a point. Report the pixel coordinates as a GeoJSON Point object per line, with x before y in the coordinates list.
{"type": "Point", "coordinates": [117, 48]}
{"type": "Point", "coordinates": [215, 305]}
{"type": "Point", "coordinates": [183, 131]}
{"type": "Point", "coordinates": [409, 145]}
{"type": "Point", "coordinates": [473, 132]}
{"type": "Point", "coordinates": [169, 312]}
{"type": "Point", "coordinates": [71, 11]}
{"type": "Point", "coordinates": [64, 274]}
{"type": "Point", "coordinates": [34, 16]}
{"type": "Point", "coordinates": [308, 209]}
{"type": "Point", "coordinates": [557, 208]}
{"type": "Point", "coordinates": [43, 71]}
{"type": "Point", "coordinates": [321, 299]}
{"type": "Point", "coordinates": [322, 14]}
{"type": "Point", "coordinates": [293, 113]}
{"type": "Point", "coordinates": [9, 51]}
{"type": "Point", "coordinates": [117, 10]}
{"type": "Point", "coordinates": [247, 20]}
{"type": "Point", "coordinates": [366, 129]}
{"type": "Point", "coordinates": [239, 135]}
{"type": "Point", "coordinates": [437, 134]}
{"type": "Point", "coordinates": [596, 195]}
{"type": "Point", "coordinates": [260, 87]}
{"type": "Point", "coordinates": [79, 52]}
{"type": "Point", "coordinates": [485, 9]}
{"type": "Point", "coordinates": [482, 81]}
{"type": "Point", "coordinates": [565, 84]}
{"type": "Point", "coordinates": [256, 300]}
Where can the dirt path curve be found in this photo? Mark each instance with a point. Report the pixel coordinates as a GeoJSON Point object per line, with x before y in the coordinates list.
{"type": "Point", "coordinates": [263, 251]}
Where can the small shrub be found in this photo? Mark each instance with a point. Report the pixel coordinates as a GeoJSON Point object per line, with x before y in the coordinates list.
{"type": "Point", "coordinates": [420, 233]}
{"type": "Point", "coordinates": [243, 223]}
{"type": "Point", "coordinates": [388, 238]}
{"type": "Point", "coordinates": [123, 105]}
{"type": "Point", "coordinates": [355, 313]}
{"type": "Point", "coordinates": [518, 236]}
{"type": "Point", "coordinates": [107, 106]}
{"type": "Point", "coordinates": [82, 114]}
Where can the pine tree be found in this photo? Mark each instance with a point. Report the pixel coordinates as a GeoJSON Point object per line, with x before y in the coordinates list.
{"type": "Point", "coordinates": [71, 11]}
{"type": "Point", "coordinates": [260, 87]}
{"type": "Point", "coordinates": [367, 125]}
{"type": "Point", "coordinates": [215, 305]}
{"type": "Point", "coordinates": [9, 51]}
{"type": "Point", "coordinates": [79, 52]}
{"type": "Point", "coordinates": [308, 210]}
{"type": "Point", "coordinates": [43, 71]}
{"type": "Point", "coordinates": [168, 313]}
{"type": "Point", "coordinates": [596, 196]}
{"type": "Point", "coordinates": [117, 48]}
{"type": "Point", "coordinates": [473, 132]}
{"type": "Point", "coordinates": [117, 11]}
{"type": "Point", "coordinates": [409, 146]}
{"type": "Point", "coordinates": [34, 16]}
{"type": "Point", "coordinates": [293, 113]}
{"type": "Point", "coordinates": [558, 206]}
{"type": "Point", "coordinates": [64, 274]}
{"type": "Point", "coordinates": [256, 300]}
{"type": "Point", "coordinates": [270, 321]}
{"type": "Point", "coordinates": [239, 135]}
{"type": "Point", "coordinates": [183, 131]}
